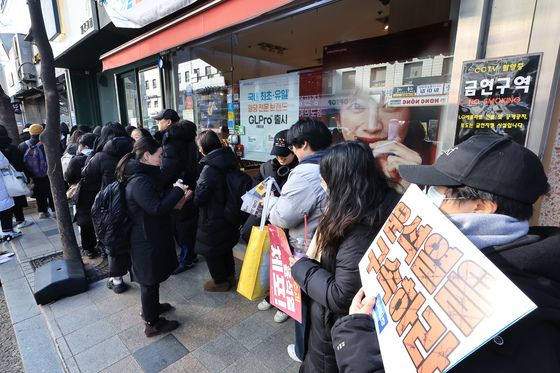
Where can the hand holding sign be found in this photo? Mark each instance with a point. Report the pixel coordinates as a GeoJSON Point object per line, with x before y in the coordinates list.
{"type": "Point", "coordinates": [438, 298]}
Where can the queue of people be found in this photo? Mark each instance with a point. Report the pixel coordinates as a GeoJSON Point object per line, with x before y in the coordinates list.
{"type": "Point", "coordinates": [333, 200]}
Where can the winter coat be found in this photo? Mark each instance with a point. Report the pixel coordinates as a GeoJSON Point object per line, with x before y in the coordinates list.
{"type": "Point", "coordinates": [529, 345]}
{"type": "Point", "coordinates": [100, 170]}
{"type": "Point", "coordinates": [88, 191]}
{"type": "Point", "coordinates": [330, 287]}
{"type": "Point", "coordinates": [270, 168]}
{"type": "Point", "coordinates": [152, 249]}
{"type": "Point", "coordinates": [180, 161]}
{"type": "Point", "coordinates": [301, 195]}
{"type": "Point", "coordinates": [215, 235]}
{"type": "Point", "coordinates": [6, 202]}
{"type": "Point", "coordinates": [16, 159]}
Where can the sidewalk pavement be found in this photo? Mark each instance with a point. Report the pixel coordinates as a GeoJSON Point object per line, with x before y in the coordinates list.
{"type": "Point", "coordinates": [99, 331]}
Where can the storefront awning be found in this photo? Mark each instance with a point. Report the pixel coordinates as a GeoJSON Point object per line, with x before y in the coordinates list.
{"type": "Point", "coordinates": [212, 17]}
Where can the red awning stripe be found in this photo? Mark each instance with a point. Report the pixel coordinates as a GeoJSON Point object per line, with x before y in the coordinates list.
{"type": "Point", "coordinates": [204, 21]}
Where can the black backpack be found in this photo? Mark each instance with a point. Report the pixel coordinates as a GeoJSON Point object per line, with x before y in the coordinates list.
{"type": "Point", "coordinates": [110, 218]}
{"type": "Point", "coordinates": [237, 184]}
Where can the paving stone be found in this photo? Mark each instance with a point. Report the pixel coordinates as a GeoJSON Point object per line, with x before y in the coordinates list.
{"type": "Point", "coordinates": [213, 300]}
{"type": "Point", "coordinates": [126, 365]}
{"type": "Point", "coordinates": [272, 351]}
{"type": "Point", "coordinates": [248, 364]}
{"type": "Point", "coordinates": [102, 355]}
{"type": "Point", "coordinates": [21, 303]}
{"type": "Point", "coordinates": [134, 338]}
{"type": "Point", "coordinates": [253, 330]}
{"type": "Point", "coordinates": [36, 346]}
{"type": "Point", "coordinates": [123, 301]}
{"type": "Point", "coordinates": [188, 363]}
{"type": "Point", "coordinates": [220, 353]}
{"type": "Point", "coordinates": [125, 319]}
{"type": "Point", "coordinates": [160, 354]}
{"type": "Point", "coordinates": [67, 305]}
{"type": "Point", "coordinates": [10, 271]}
{"type": "Point", "coordinates": [71, 365]}
{"type": "Point", "coordinates": [63, 348]}
{"type": "Point", "coordinates": [197, 331]}
{"type": "Point", "coordinates": [233, 312]}
{"type": "Point", "coordinates": [79, 318]}
{"type": "Point", "coordinates": [87, 337]}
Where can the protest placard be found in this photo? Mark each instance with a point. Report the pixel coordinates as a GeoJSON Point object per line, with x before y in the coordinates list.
{"type": "Point", "coordinates": [438, 298]}
{"type": "Point", "coordinates": [285, 293]}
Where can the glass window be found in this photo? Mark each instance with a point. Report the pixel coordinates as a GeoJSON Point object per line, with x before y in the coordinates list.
{"type": "Point", "coordinates": [151, 96]}
{"type": "Point", "coordinates": [348, 80]}
{"type": "Point", "coordinates": [208, 70]}
{"type": "Point", "coordinates": [179, 78]}
{"type": "Point", "coordinates": [186, 76]}
{"type": "Point", "coordinates": [129, 98]}
{"type": "Point", "coordinates": [377, 77]}
{"type": "Point", "coordinates": [412, 71]}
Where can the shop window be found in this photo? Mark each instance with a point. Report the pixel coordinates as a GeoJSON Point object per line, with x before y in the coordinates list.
{"type": "Point", "coordinates": [412, 71]}
{"type": "Point", "coordinates": [447, 65]}
{"type": "Point", "coordinates": [377, 77]}
{"type": "Point", "coordinates": [154, 84]}
{"type": "Point", "coordinates": [348, 80]}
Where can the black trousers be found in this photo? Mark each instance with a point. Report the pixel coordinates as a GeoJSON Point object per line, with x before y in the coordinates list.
{"type": "Point", "coordinates": [43, 195]}
{"type": "Point", "coordinates": [20, 203]}
{"type": "Point", "coordinates": [221, 267]}
{"type": "Point", "coordinates": [89, 240]}
{"type": "Point", "coordinates": [6, 220]}
{"type": "Point", "coordinates": [149, 296]}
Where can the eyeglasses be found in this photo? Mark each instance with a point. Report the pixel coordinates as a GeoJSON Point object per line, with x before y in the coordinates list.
{"type": "Point", "coordinates": [291, 147]}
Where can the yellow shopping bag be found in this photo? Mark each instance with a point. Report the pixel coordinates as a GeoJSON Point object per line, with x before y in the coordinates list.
{"type": "Point", "coordinates": [254, 278]}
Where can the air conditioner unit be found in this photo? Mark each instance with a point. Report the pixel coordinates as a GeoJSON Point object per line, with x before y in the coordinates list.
{"type": "Point", "coordinates": [26, 71]}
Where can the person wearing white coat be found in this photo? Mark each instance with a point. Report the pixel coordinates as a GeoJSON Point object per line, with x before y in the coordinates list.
{"type": "Point", "coordinates": [6, 206]}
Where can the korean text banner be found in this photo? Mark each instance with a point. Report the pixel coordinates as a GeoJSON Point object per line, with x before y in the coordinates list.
{"type": "Point", "coordinates": [438, 298]}
{"type": "Point", "coordinates": [497, 95]}
{"type": "Point", "coordinates": [285, 293]}
{"type": "Point", "coordinates": [267, 105]}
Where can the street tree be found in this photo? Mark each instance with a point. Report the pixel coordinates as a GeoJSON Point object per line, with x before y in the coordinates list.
{"type": "Point", "coordinates": [51, 135]}
{"type": "Point", "coordinates": [8, 117]}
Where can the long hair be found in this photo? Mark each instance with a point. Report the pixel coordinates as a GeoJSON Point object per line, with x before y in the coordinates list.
{"type": "Point", "coordinates": [356, 190]}
{"type": "Point", "coordinates": [143, 145]}
{"type": "Point", "coordinates": [208, 140]}
{"type": "Point", "coordinates": [109, 131]}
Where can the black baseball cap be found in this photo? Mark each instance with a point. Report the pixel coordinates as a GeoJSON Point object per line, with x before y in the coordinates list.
{"type": "Point", "coordinates": [488, 162]}
{"type": "Point", "coordinates": [167, 114]}
{"type": "Point", "coordinates": [280, 147]}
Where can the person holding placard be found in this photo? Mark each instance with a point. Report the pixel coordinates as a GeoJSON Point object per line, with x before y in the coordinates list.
{"type": "Point", "coordinates": [360, 200]}
{"type": "Point", "coordinates": [486, 186]}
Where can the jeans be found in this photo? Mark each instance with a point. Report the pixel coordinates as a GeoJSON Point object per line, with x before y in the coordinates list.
{"type": "Point", "coordinates": [187, 253]}
{"type": "Point", "coordinates": [149, 296]}
{"type": "Point", "coordinates": [6, 220]}
{"type": "Point", "coordinates": [221, 267]}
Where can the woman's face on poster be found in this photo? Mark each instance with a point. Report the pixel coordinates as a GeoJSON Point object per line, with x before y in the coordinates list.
{"type": "Point", "coordinates": [361, 117]}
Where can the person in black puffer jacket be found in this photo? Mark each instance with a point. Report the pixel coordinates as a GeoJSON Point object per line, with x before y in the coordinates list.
{"type": "Point", "coordinates": [11, 152]}
{"type": "Point", "coordinates": [99, 173]}
{"type": "Point", "coordinates": [87, 193]}
{"type": "Point", "coordinates": [360, 200]}
{"type": "Point", "coordinates": [180, 161]}
{"type": "Point", "coordinates": [152, 249]}
{"type": "Point", "coordinates": [215, 237]}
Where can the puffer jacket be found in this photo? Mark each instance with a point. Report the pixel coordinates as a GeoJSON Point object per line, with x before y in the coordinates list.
{"type": "Point", "coordinates": [215, 235]}
{"type": "Point", "coordinates": [73, 175]}
{"type": "Point", "coordinates": [530, 345]}
{"type": "Point", "coordinates": [331, 285]}
{"type": "Point", "coordinates": [100, 170]}
{"type": "Point", "coordinates": [302, 195]}
{"type": "Point", "coordinates": [152, 249]}
{"type": "Point", "coordinates": [6, 202]}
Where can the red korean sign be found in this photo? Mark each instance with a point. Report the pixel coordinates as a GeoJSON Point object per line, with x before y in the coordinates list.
{"type": "Point", "coordinates": [285, 293]}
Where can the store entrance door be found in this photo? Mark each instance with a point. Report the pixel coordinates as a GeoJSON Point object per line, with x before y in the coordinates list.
{"type": "Point", "coordinates": [128, 99]}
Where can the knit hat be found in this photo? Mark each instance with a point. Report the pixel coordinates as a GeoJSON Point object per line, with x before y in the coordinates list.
{"type": "Point", "coordinates": [35, 129]}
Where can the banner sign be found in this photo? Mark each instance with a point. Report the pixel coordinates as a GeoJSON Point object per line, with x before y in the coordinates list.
{"type": "Point", "coordinates": [268, 105]}
{"type": "Point", "coordinates": [285, 293]}
{"type": "Point", "coordinates": [497, 95]}
{"type": "Point", "coordinates": [418, 101]}
{"type": "Point", "coordinates": [139, 13]}
{"type": "Point", "coordinates": [438, 297]}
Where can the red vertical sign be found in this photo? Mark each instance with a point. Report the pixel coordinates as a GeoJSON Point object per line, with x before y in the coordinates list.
{"type": "Point", "coordinates": [285, 293]}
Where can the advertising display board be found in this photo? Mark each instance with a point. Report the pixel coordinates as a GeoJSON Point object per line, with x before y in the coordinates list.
{"type": "Point", "coordinates": [267, 105]}
{"type": "Point", "coordinates": [438, 298]}
{"type": "Point", "coordinates": [497, 95]}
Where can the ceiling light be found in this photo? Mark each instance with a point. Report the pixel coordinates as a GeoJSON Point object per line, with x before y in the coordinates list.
{"type": "Point", "coordinates": [386, 27]}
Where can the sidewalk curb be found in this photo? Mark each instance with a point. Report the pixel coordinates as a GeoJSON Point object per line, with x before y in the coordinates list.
{"type": "Point", "coordinates": [38, 350]}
